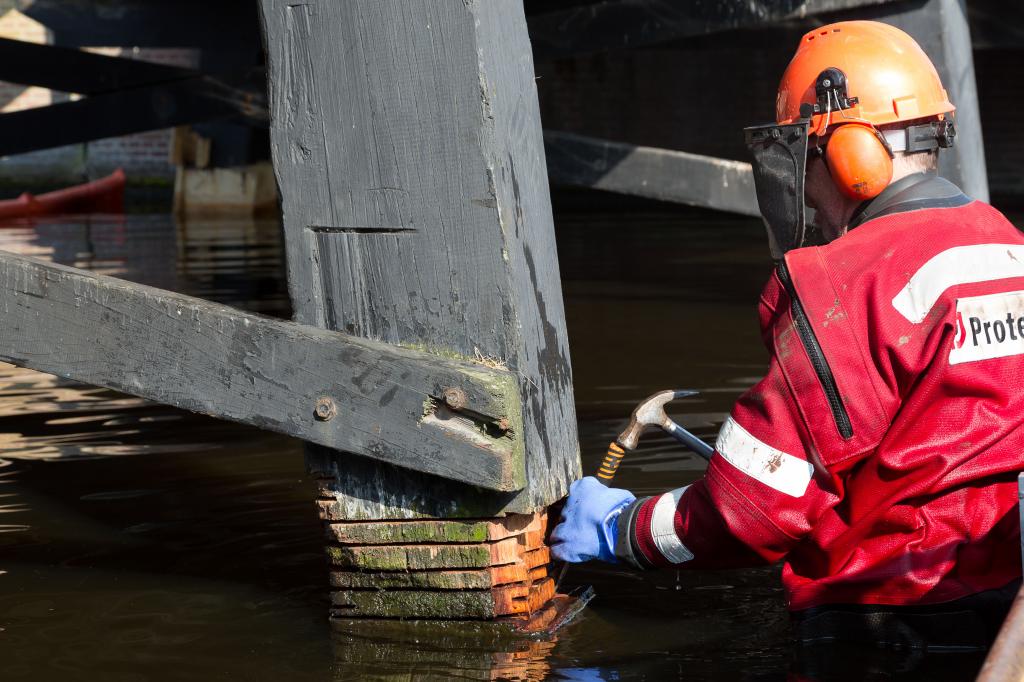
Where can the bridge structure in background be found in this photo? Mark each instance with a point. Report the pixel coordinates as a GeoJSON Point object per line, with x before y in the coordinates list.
{"type": "Point", "coordinates": [228, 93]}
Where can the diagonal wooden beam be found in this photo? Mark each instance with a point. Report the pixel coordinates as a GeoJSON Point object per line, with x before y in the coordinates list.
{"type": "Point", "coordinates": [67, 69]}
{"type": "Point", "coordinates": [663, 174]}
{"type": "Point", "coordinates": [451, 418]}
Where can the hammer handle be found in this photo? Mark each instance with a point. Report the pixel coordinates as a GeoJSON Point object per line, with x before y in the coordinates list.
{"type": "Point", "coordinates": [689, 440]}
{"type": "Point", "coordinates": [610, 463]}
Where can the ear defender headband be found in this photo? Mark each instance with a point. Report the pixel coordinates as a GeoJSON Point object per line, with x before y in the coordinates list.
{"type": "Point", "coordinates": [858, 156]}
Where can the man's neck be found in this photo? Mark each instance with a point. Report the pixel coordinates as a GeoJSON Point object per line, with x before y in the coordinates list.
{"type": "Point", "coordinates": [917, 190]}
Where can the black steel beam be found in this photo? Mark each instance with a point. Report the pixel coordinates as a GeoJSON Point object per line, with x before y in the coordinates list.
{"type": "Point", "coordinates": [616, 24]}
{"type": "Point", "coordinates": [667, 175]}
{"type": "Point", "coordinates": [204, 24]}
{"type": "Point", "coordinates": [70, 70]}
{"type": "Point", "coordinates": [182, 102]}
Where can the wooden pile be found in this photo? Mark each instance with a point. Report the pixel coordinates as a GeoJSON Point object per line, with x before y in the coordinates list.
{"type": "Point", "coordinates": [439, 568]}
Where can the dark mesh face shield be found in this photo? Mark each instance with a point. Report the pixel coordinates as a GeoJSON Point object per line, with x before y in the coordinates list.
{"type": "Point", "coordinates": [780, 159]}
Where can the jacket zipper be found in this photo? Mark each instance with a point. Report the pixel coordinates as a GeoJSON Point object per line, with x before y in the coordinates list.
{"type": "Point", "coordinates": [817, 356]}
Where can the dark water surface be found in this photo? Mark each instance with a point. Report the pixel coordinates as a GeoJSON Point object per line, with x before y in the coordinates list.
{"type": "Point", "coordinates": [139, 542]}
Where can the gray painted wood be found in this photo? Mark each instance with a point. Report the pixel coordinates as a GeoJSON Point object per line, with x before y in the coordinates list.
{"type": "Point", "coordinates": [663, 174]}
{"type": "Point", "coordinates": [217, 360]}
{"type": "Point", "coordinates": [407, 144]}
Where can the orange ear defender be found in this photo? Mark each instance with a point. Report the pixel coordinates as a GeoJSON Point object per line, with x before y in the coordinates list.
{"type": "Point", "coordinates": [858, 160]}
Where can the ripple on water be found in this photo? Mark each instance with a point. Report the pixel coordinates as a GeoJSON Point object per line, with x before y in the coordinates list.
{"type": "Point", "coordinates": [146, 543]}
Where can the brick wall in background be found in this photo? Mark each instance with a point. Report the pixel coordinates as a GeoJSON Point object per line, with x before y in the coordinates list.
{"type": "Point", "coordinates": [144, 156]}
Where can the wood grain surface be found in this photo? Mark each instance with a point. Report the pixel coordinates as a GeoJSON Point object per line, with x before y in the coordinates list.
{"type": "Point", "coordinates": [408, 149]}
{"type": "Point", "coordinates": [663, 174]}
{"type": "Point", "coordinates": [217, 360]}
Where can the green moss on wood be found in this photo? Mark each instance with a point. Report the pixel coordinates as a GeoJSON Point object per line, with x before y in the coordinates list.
{"type": "Point", "coordinates": [437, 580]}
{"type": "Point", "coordinates": [436, 350]}
{"type": "Point", "coordinates": [411, 532]}
{"type": "Point", "coordinates": [403, 558]}
{"type": "Point", "coordinates": [504, 386]}
{"type": "Point", "coordinates": [405, 506]}
{"type": "Point", "coordinates": [414, 604]}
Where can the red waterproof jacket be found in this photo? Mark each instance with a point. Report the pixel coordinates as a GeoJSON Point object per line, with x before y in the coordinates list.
{"type": "Point", "coordinates": [878, 457]}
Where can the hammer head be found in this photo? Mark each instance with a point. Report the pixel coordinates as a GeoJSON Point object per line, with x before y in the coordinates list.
{"type": "Point", "coordinates": [650, 412]}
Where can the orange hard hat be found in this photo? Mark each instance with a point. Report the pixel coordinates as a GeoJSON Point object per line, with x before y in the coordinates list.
{"type": "Point", "coordinates": [888, 78]}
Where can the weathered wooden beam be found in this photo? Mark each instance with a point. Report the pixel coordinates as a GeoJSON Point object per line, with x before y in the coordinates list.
{"type": "Point", "coordinates": [408, 149]}
{"type": "Point", "coordinates": [616, 24]}
{"type": "Point", "coordinates": [423, 556]}
{"type": "Point", "coordinates": [504, 600]}
{"type": "Point", "coordinates": [416, 211]}
{"type": "Point", "coordinates": [366, 397]}
{"type": "Point", "coordinates": [447, 530]}
{"type": "Point", "coordinates": [664, 174]}
{"type": "Point", "coordinates": [122, 112]}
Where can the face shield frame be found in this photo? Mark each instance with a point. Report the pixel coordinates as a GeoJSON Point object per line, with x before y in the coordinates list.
{"type": "Point", "coordinates": [779, 152]}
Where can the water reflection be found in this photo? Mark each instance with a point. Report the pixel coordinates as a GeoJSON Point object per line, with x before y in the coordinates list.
{"type": "Point", "coordinates": [139, 542]}
{"type": "Point", "coordinates": [417, 652]}
{"type": "Point", "coordinates": [233, 261]}
{"type": "Point", "coordinates": [237, 262]}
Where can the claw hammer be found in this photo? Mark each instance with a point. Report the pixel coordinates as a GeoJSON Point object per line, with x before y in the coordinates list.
{"type": "Point", "coordinates": [651, 412]}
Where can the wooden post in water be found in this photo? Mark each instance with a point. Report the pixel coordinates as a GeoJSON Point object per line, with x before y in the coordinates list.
{"type": "Point", "coordinates": [407, 145]}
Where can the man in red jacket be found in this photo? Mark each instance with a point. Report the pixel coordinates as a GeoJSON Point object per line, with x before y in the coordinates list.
{"type": "Point", "coordinates": [878, 457]}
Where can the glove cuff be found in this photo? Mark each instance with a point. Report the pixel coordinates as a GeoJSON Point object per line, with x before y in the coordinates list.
{"type": "Point", "coordinates": [626, 548]}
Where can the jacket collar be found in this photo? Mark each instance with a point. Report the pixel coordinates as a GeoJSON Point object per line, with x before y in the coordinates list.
{"type": "Point", "coordinates": [911, 193]}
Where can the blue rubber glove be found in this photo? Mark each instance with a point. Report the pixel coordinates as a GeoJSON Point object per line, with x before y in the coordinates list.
{"type": "Point", "coordinates": [587, 529]}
